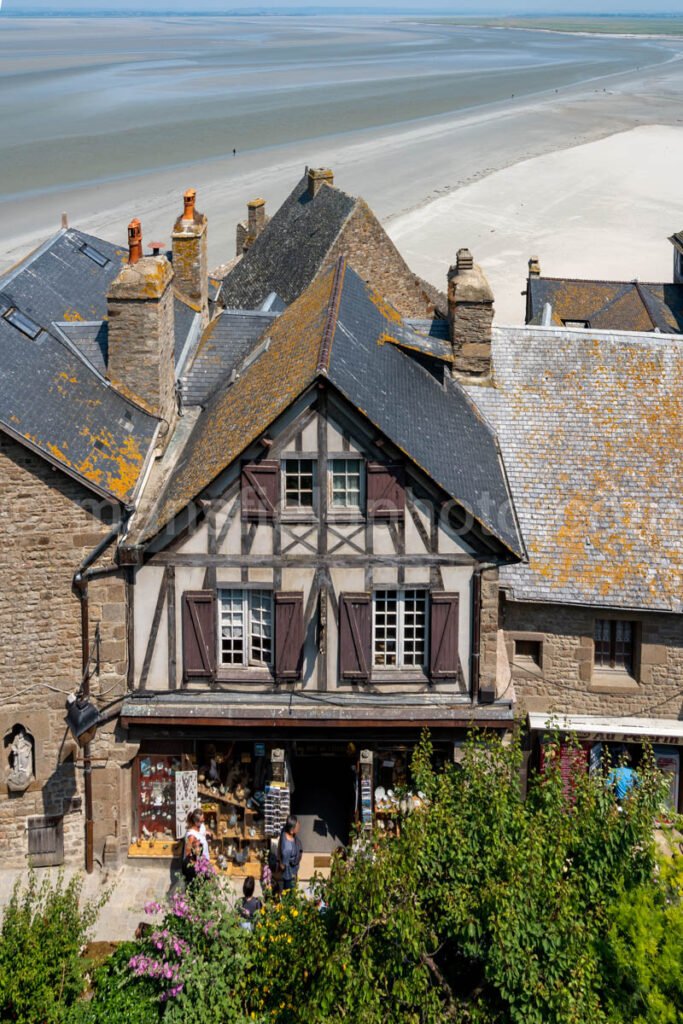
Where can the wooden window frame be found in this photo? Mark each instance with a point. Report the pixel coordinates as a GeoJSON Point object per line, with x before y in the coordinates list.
{"type": "Point", "coordinates": [629, 667]}
{"type": "Point", "coordinates": [400, 592]}
{"type": "Point", "coordinates": [299, 511]}
{"type": "Point", "coordinates": [346, 511]}
{"type": "Point", "coordinates": [247, 664]}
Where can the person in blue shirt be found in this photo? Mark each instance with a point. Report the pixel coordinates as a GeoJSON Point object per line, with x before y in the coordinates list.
{"type": "Point", "coordinates": [290, 852]}
{"type": "Point", "coordinates": [622, 778]}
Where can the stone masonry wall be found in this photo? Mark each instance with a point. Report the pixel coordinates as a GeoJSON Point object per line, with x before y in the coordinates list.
{"type": "Point", "coordinates": [567, 681]}
{"type": "Point", "coordinates": [48, 524]}
{"type": "Point", "coordinates": [376, 259]}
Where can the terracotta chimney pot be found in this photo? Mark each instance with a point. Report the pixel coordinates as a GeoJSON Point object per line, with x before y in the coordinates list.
{"type": "Point", "coordinates": [189, 201]}
{"type": "Point", "coordinates": [134, 241]}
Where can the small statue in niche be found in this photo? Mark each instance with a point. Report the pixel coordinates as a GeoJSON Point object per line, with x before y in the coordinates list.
{"type": "Point", "coordinates": [20, 772]}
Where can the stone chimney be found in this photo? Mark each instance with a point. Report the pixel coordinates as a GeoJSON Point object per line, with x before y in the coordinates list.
{"type": "Point", "coordinates": [534, 267]}
{"type": "Point", "coordinates": [248, 230]}
{"type": "Point", "coordinates": [190, 259]}
{"type": "Point", "coordinates": [317, 177]}
{"type": "Point", "coordinates": [141, 329]}
{"type": "Point", "coordinates": [470, 316]}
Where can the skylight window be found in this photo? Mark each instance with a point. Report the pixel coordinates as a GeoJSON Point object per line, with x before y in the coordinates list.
{"type": "Point", "coordinates": [94, 255]}
{"type": "Point", "coordinates": [22, 323]}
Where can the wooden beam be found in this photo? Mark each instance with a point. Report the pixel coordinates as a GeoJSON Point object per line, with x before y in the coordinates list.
{"type": "Point", "coordinates": [170, 620]}
{"type": "Point", "coordinates": [312, 561]}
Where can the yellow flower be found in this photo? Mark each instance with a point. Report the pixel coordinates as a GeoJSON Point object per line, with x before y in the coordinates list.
{"type": "Point", "coordinates": [289, 938]}
{"type": "Point", "coordinates": [295, 912]}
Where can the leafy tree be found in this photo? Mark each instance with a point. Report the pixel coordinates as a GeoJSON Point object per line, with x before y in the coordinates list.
{"type": "Point", "coordinates": [43, 932]}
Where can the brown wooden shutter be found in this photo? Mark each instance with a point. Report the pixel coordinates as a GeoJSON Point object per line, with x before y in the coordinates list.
{"type": "Point", "coordinates": [260, 489]}
{"type": "Point", "coordinates": [289, 635]}
{"type": "Point", "coordinates": [355, 636]}
{"type": "Point", "coordinates": [443, 654]}
{"type": "Point", "coordinates": [45, 842]}
{"type": "Point", "coordinates": [199, 634]}
{"type": "Point", "coordinates": [386, 490]}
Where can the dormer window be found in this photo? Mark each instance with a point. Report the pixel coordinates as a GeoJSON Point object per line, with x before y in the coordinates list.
{"type": "Point", "coordinates": [22, 323]}
{"type": "Point", "coordinates": [299, 479]}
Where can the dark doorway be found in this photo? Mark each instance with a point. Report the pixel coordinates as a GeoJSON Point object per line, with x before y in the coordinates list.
{"type": "Point", "coordinates": [323, 800]}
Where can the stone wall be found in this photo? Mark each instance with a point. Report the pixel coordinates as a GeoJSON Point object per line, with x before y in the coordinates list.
{"type": "Point", "coordinates": [48, 524]}
{"type": "Point", "coordinates": [567, 681]}
{"type": "Point", "coordinates": [372, 254]}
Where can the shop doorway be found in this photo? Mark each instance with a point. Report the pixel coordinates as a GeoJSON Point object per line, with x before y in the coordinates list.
{"type": "Point", "coordinates": [323, 800]}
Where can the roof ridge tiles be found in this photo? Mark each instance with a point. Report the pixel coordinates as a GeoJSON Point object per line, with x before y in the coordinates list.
{"type": "Point", "coordinates": [332, 315]}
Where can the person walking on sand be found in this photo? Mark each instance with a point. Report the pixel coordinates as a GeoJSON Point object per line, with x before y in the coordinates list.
{"type": "Point", "coordinates": [290, 852]}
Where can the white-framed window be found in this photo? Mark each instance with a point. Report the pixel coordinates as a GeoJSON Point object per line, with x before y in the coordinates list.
{"type": "Point", "coordinates": [299, 482]}
{"type": "Point", "coordinates": [245, 627]}
{"type": "Point", "coordinates": [399, 629]}
{"type": "Point", "coordinates": [347, 484]}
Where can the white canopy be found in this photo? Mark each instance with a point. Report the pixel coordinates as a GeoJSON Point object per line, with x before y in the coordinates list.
{"type": "Point", "coordinates": [602, 727]}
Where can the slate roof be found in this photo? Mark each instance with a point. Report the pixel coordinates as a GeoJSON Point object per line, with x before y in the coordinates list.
{"type": "Point", "coordinates": [590, 426]}
{"type": "Point", "coordinates": [343, 331]}
{"type": "Point", "coordinates": [54, 404]}
{"type": "Point", "coordinates": [607, 305]}
{"type": "Point", "coordinates": [224, 344]}
{"type": "Point", "coordinates": [290, 250]}
{"type": "Point", "coordinates": [50, 400]}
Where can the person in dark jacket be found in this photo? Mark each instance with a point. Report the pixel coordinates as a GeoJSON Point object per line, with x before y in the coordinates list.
{"type": "Point", "coordinates": [290, 852]}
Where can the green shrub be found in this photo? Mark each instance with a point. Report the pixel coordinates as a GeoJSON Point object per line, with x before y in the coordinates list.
{"type": "Point", "coordinates": [43, 931]}
{"type": "Point", "coordinates": [117, 996]}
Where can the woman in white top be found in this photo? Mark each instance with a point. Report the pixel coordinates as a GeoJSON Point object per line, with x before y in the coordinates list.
{"type": "Point", "coordinates": [196, 843]}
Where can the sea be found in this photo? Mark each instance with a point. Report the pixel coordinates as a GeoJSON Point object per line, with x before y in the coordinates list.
{"type": "Point", "coordinates": [91, 100]}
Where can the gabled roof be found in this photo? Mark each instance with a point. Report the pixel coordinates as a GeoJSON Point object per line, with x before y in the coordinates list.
{"type": "Point", "coordinates": [307, 235]}
{"type": "Point", "coordinates": [590, 426]}
{"type": "Point", "coordinates": [342, 331]}
{"type": "Point", "coordinates": [50, 399]}
{"type": "Point", "coordinates": [290, 251]}
{"type": "Point", "coordinates": [607, 305]}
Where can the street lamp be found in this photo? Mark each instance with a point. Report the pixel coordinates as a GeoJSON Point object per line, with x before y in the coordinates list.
{"type": "Point", "coordinates": [82, 717]}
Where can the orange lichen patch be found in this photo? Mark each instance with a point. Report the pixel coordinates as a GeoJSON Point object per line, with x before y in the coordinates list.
{"type": "Point", "coordinates": [57, 452]}
{"type": "Point", "coordinates": [387, 339]}
{"type": "Point", "coordinates": [72, 316]}
{"type": "Point", "coordinates": [14, 419]}
{"type": "Point", "coordinates": [596, 470]}
{"type": "Point", "coordinates": [115, 467]}
{"type": "Point", "coordinates": [65, 376]}
{"type": "Point", "coordinates": [384, 307]}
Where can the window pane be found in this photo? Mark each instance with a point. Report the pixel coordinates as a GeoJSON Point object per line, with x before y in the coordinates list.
{"type": "Point", "coordinates": [261, 627]}
{"type": "Point", "coordinates": [386, 628]}
{"type": "Point", "coordinates": [414, 631]}
{"type": "Point", "coordinates": [232, 627]}
{"type": "Point", "coordinates": [623, 647]}
{"type": "Point", "coordinates": [346, 481]}
{"type": "Point", "coordinates": [602, 643]}
{"type": "Point", "coordinates": [299, 483]}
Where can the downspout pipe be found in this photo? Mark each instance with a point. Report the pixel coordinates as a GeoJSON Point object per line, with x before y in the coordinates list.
{"type": "Point", "coordinates": [475, 655]}
{"type": "Point", "coordinates": [80, 586]}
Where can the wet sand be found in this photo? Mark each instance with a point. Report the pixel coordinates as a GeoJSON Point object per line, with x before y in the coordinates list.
{"type": "Point", "coordinates": [436, 183]}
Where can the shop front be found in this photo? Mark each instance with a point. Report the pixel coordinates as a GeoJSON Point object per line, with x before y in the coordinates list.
{"type": "Point", "coordinates": [336, 777]}
{"type": "Point", "coordinates": [615, 739]}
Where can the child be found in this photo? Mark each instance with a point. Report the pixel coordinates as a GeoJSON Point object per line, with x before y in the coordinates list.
{"type": "Point", "coordinates": [250, 904]}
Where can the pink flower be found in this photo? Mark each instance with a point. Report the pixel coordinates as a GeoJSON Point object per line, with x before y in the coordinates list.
{"type": "Point", "coordinates": [153, 907]}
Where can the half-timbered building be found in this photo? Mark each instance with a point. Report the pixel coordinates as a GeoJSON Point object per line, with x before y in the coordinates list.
{"type": "Point", "coordinates": [311, 567]}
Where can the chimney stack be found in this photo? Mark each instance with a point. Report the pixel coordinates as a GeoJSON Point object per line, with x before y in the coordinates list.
{"type": "Point", "coordinates": [141, 330]}
{"type": "Point", "coordinates": [470, 316]}
{"type": "Point", "coordinates": [190, 256]}
{"type": "Point", "coordinates": [248, 230]}
{"type": "Point", "coordinates": [134, 241]}
{"type": "Point", "coordinates": [534, 267]}
{"type": "Point", "coordinates": [317, 177]}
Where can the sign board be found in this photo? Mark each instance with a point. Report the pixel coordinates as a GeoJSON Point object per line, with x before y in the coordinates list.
{"type": "Point", "coordinates": [669, 763]}
{"type": "Point", "coordinates": [186, 800]}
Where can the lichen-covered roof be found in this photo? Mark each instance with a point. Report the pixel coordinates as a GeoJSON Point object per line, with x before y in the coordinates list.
{"type": "Point", "coordinates": [290, 250]}
{"type": "Point", "coordinates": [590, 426]}
{"type": "Point", "coordinates": [342, 331]}
{"type": "Point", "coordinates": [608, 305]}
{"type": "Point", "coordinates": [226, 341]}
{"type": "Point", "coordinates": [50, 399]}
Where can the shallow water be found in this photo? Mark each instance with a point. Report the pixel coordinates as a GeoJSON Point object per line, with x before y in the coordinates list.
{"type": "Point", "coordinates": [87, 100]}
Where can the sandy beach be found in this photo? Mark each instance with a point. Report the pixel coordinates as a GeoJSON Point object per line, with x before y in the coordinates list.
{"type": "Point", "coordinates": [583, 176]}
